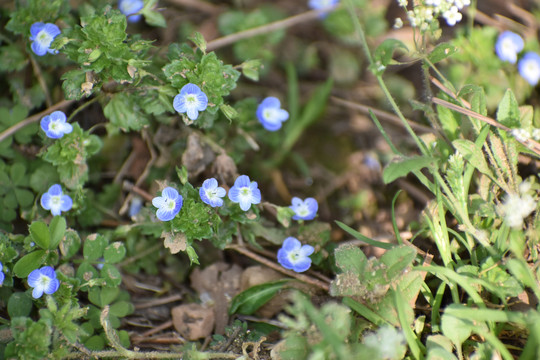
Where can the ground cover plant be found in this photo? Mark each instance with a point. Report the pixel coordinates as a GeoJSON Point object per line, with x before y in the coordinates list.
{"type": "Point", "coordinates": [347, 179]}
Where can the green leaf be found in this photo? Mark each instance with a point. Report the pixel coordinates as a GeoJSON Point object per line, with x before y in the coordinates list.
{"type": "Point", "coordinates": [70, 244]}
{"type": "Point", "coordinates": [29, 263]}
{"type": "Point", "coordinates": [508, 110]}
{"type": "Point", "coordinates": [350, 258]}
{"type": "Point", "coordinates": [19, 304]}
{"type": "Point", "coordinates": [86, 272]}
{"type": "Point", "coordinates": [397, 260]}
{"type": "Point", "coordinates": [40, 234]}
{"type": "Point", "coordinates": [249, 300]}
{"type": "Point", "coordinates": [111, 275]}
{"type": "Point", "coordinates": [400, 167]}
{"type": "Point", "coordinates": [124, 113]}
{"type": "Point", "coordinates": [94, 245]}
{"type": "Point", "coordinates": [154, 18]}
{"type": "Point", "coordinates": [441, 52]}
{"type": "Point", "coordinates": [122, 308]}
{"type": "Point", "coordinates": [384, 52]}
{"type": "Point", "coordinates": [57, 230]}
{"type": "Point", "coordinates": [364, 238]}
{"type": "Point", "coordinates": [114, 253]}
{"type": "Point", "coordinates": [284, 215]}
{"type": "Point", "coordinates": [198, 40]}
{"type": "Point", "coordinates": [473, 155]}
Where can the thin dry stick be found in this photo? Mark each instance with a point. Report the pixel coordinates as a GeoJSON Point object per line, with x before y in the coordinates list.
{"type": "Point", "coordinates": [10, 131]}
{"type": "Point", "coordinates": [381, 114]}
{"type": "Point", "coordinates": [273, 265]}
{"type": "Point", "coordinates": [264, 29]}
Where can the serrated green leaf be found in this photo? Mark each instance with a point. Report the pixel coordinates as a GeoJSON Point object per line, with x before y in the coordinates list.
{"type": "Point", "coordinates": [249, 300]}
{"type": "Point", "coordinates": [400, 167]}
{"type": "Point", "coordinates": [40, 234]}
{"type": "Point", "coordinates": [29, 263]}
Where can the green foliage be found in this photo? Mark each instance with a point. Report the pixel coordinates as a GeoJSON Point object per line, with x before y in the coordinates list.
{"type": "Point", "coordinates": [249, 300]}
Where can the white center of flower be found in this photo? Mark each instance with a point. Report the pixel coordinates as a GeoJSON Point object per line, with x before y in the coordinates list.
{"type": "Point", "coordinates": [293, 256]}
{"type": "Point", "coordinates": [270, 114]}
{"type": "Point", "coordinates": [302, 210]}
{"type": "Point", "coordinates": [44, 281]}
{"type": "Point", "coordinates": [191, 99]}
{"type": "Point", "coordinates": [44, 37]}
{"type": "Point", "coordinates": [53, 125]}
{"type": "Point", "coordinates": [170, 204]}
{"type": "Point", "coordinates": [56, 200]}
{"type": "Point", "coordinates": [211, 194]}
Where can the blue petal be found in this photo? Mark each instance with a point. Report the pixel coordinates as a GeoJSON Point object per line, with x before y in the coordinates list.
{"type": "Point", "coordinates": [55, 190]}
{"type": "Point", "coordinates": [192, 113]}
{"type": "Point", "coordinates": [302, 265]}
{"type": "Point", "coordinates": [220, 192]}
{"type": "Point", "coordinates": [210, 184]}
{"type": "Point", "coordinates": [158, 201]}
{"type": "Point", "coordinates": [245, 204]}
{"type": "Point", "coordinates": [255, 196]}
{"type": "Point", "coordinates": [35, 29]}
{"type": "Point", "coordinates": [179, 103]}
{"type": "Point", "coordinates": [234, 194]}
{"type": "Point", "coordinates": [51, 288]}
{"type": "Point", "coordinates": [306, 250]}
{"type": "Point", "coordinates": [1, 266]}
{"type": "Point", "coordinates": [44, 123]}
{"type": "Point", "coordinates": [48, 271]}
{"type": "Point", "coordinates": [39, 49]}
{"type": "Point", "coordinates": [291, 244]}
{"type": "Point", "coordinates": [37, 292]}
{"type": "Point", "coordinates": [202, 101]}
{"type": "Point", "coordinates": [271, 126]}
{"type": "Point", "coordinates": [2, 276]}
{"type": "Point", "coordinates": [283, 115]}
{"type": "Point", "coordinates": [58, 116]}
{"type": "Point", "coordinates": [169, 193]}
{"type": "Point", "coordinates": [33, 278]}
{"type": "Point", "coordinates": [46, 201]}
{"type": "Point", "coordinates": [165, 214]}
{"type": "Point", "coordinates": [190, 89]}
{"type": "Point", "coordinates": [242, 181]}
{"type": "Point", "coordinates": [270, 102]}
{"type": "Point", "coordinates": [66, 203]}
{"type": "Point", "coordinates": [52, 30]}
{"type": "Point", "coordinates": [283, 259]}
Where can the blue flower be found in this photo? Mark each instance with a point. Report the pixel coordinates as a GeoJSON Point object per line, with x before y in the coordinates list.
{"type": "Point", "coordinates": [211, 193]}
{"type": "Point", "coordinates": [295, 256]}
{"type": "Point", "coordinates": [270, 114]}
{"type": "Point", "coordinates": [130, 7]}
{"type": "Point", "coordinates": [2, 276]}
{"type": "Point", "coordinates": [168, 204]}
{"type": "Point", "coordinates": [322, 4]}
{"type": "Point", "coordinates": [55, 200]}
{"type": "Point", "coordinates": [245, 192]}
{"type": "Point", "coordinates": [191, 100]}
{"type": "Point", "coordinates": [304, 209]}
{"type": "Point", "coordinates": [43, 281]}
{"type": "Point", "coordinates": [55, 125]}
{"type": "Point", "coordinates": [508, 46]}
{"type": "Point", "coordinates": [529, 67]}
{"type": "Point", "coordinates": [42, 35]}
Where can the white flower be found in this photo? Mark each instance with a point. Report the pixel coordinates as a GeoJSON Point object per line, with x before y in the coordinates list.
{"type": "Point", "coordinates": [452, 16]}
{"type": "Point", "coordinates": [516, 207]}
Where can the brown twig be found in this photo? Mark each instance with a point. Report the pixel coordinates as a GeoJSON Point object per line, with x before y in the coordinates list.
{"type": "Point", "coordinates": [10, 131]}
{"type": "Point", "coordinates": [200, 5]}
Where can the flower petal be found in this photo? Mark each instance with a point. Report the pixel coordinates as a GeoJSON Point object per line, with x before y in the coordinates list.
{"type": "Point", "coordinates": [192, 112]}
{"type": "Point", "coordinates": [170, 193]}
{"type": "Point", "coordinates": [179, 103]}
{"type": "Point", "coordinates": [234, 194]}
{"type": "Point", "coordinates": [302, 265]}
{"type": "Point", "coordinates": [165, 214]}
{"type": "Point", "coordinates": [52, 286]}
{"type": "Point", "coordinates": [271, 102]}
{"type": "Point", "coordinates": [46, 201]}
{"type": "Point", "coordinates": [306, 250]}
{"type": "Point", "coordinates": [291, 244]}
{"type": "Point", "coordinates": [159, 201]}
{"type": "Point", "coordinates": [202, 101]}
{"type": "Point", "coordinates": [55, 190]}
{"type": "Point", "coordinates": [66, 203]}
{"type": "Point", "coordinates": [209, 184]}
{"type": "Point", "coordinates": [52, 30]}
{"type": "Point", "coordinates": [242, 181]}
{"type": "Point", "coordinates": [48, 271]}
{"type": "Point", "coordinates": [39, 49]}
{"type": "Point", "coordinates": [37, 292]}
{"type": "Point", "coordinates": [190, 89]}
{"type": "Point", "coordinates": [33, 278]}
{"type": "Point", "coordinates": [245, 204]}
{"type": "Point", "coordinates": [44, 123]}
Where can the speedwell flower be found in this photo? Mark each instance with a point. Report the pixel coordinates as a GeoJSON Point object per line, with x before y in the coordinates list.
{"type": "Point", "coordinates": [304, 209]}
{"type": "Point", "coordinates": [191, 100]}
{"type": "Point", "coordinates": [529, 67]}
{"type": "Point", "coordinates": [211, 193]}
{"type": "Point", "coordinates": [245, 192]}
{"type": "Point", "coordinates": [55, 125]}
{"type": "Point", "coordinates": [168, 204]}
{"type": "Point", "coordinates": [2, 276]}
{"type": "Point", "coordinates": [508, 45]}
{"type": "Point", "coordinates": [42, 35]}
{"type": "Point", "coordinates": [43, 281]}
{"type": "Point", "coordinates": [322, 4]}
{"type": "Point", "coordinates": [55, 200]}
{"type": "Point", "coordinates": [130, 7]}
{"type": "Point", "coordinates": [295, 256]}
{"type": "Point", "coordinates": [270, 114]}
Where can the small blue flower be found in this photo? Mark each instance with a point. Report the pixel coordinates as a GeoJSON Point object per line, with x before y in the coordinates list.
{"type": "Point", "coordinates": [2, 276]}
{"type": "Point", "coordinates": [135, 206]}
{"type": "Point", "coordinates": [270, 114]}
{"type": "Point", "coordinates": [245, 192]}
{"type": "Point", "coordinates": [168, 204]}
{"type": "Point", "coordinates": [55, 200]}
{"type": "Point", "coordinates": [42, 35]}
{"type": "Point", "coordinates": [322, 4]}
{"type": "Point", "coordinates": [43, 281]}
{"type": "Point", "coordinates": [55, 125]}
{"type": "Point", "coordinates": [211, 193]}
{"type": "Point", "coordinates": [508, 46]}
{"type": "Point", "coordinates": [529, 67]}
{"type": "Point", "coordinates": [304, 209]}
{"type": "Point", "coordinates": [191, 100]}
{"type": "Point", "coordinates": [130, 7]}
{"type": "Point", "coordinates": [295, 256]}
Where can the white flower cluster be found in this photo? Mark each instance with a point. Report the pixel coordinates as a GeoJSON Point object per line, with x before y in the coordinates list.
{"type": "Point", "coordinates": [516, 207]}
{"type": "Point", "coordinates": [425, 11]}
{"type": "Point", "coordinates": [523, 135]}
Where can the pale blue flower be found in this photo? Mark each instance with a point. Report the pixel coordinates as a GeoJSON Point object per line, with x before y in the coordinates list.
{"type": "Point", "coordinates": [55, 125]}
{"type": "Point", "coordinates": [529, 67]}
{"type": "Point", "coordinates": [508, 46]}
{"type": "Point", "coordinates": [270, 114]}
{"type": "Point", "coordinates": [55, 200]}
{"type": "Point", "coordinates": [42, 35]}
{"type": "Point", "coordinates": [191, 100]}
{"type": "Point", "coordinates": [169, 204]}
{"type": "Point", "coordinates": [211, 193]}
{"type": "Point", "coordinates": [245, 192]}
{"type": "Point", "coordinates": [135, 206]}
{"type": "Point", "coordinates": [2, 276]}
{"type": "Point", "coordinates": [130, 7]}
{"type": "Point", "coordinates": [43, 281]}
{"type": "Point", "coordinates": [322, 4]}
{"type": "Point", "coordinates": [304, 209]}
{"type": "Point", "coordinates": [295, 256]}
